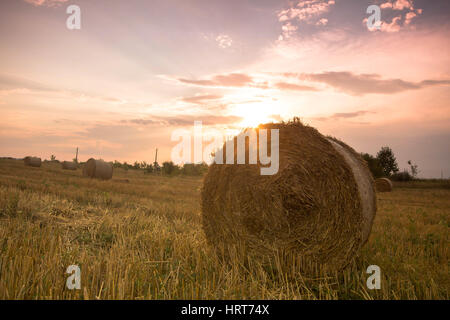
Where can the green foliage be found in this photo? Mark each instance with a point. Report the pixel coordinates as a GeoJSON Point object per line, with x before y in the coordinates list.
{"type": "Point", "coordinates": [373, 164]}
{"type": "Point", "coordinates": [169, 168]}
{"type": "Point", "coordinates": [387, 161]}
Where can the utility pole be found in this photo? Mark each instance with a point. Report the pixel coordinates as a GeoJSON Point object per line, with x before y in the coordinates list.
{"type": "Point", "coordinates": [76, 156]}
{"type": "Point", "coordinates": [155, 164]}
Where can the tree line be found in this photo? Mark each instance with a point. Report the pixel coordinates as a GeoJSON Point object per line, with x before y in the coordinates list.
{"type": "Point", "coordinates": [385, 165]}
{"type": "Point", "coordinates": [167, 168]}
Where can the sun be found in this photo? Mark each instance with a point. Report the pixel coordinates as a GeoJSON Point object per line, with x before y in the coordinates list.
{"type": "Point", "coordinates": [253, 115]}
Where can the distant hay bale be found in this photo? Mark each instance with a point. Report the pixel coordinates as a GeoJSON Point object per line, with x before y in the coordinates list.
{"type": "Point", "coordinates": [32, 161]}
{"type": "Point", "coordinates": [98, 169]}
{"type": "Point", "coordinates": [319, 207]}
{"type": "Point", "coordinates": [69, 165]}
{"type": "Point", "coordinates": [383, 185]}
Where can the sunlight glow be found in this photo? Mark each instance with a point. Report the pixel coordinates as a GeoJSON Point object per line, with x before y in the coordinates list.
{"type": "Point", "coordinates": [254, 114]}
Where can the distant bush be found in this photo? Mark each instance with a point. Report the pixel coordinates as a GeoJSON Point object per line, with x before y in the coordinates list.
{"type": "Point", "coordinates": [169, 168]}
{"type": "Point", "coordinates": [192, 169]}
{"type": "Point", "coordinates": [402, 176]}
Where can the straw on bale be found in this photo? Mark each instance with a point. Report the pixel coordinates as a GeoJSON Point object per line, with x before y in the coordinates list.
{"type": "Point", "coordinates": [32, 161]}
{"type": "Point", "coordinates": [383, 185]}
{"type": "Point", "coordinates": [68, 165]}
{"type": "Point", "coordinates": [319, 207]}
{"type": "Point", "coordinates": [98, 169]}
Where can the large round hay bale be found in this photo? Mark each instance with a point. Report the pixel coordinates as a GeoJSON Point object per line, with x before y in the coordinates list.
{"type": "Point", "coordinates": [319, 207]}
{"type": "Point", "coordinates": [98, 169]}
{"type": "Point", "coordinates": [69, 165]}
{"type": "Point", "coordinates": [32, 161]}
{"type": "Point", "coordinates": [383, 185]}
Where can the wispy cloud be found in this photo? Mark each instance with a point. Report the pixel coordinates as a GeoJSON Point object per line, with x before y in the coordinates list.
{"type": "Point", "coordinates": [294, 87]}
{"type": "Point", "coordinates": [344, 115]}
{"type": "Point", "coordinates": [227, 80]}
{"type": "Point", "coordinates": [200, 99]}
{"type": "Point", "coordinates": [224, 41]}
{"type": "Point", "coordinates": [360, 84]}
{"type": "Point", "coordinates": [185, 120]}
{"type": "Point", "coordinates": [10, 82]}
{"type": "Point", "coordinates": [46, 3]}
{"type": "Point", "coordinates": [343, 81]}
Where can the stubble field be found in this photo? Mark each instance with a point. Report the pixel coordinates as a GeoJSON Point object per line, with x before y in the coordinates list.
{"type": "Point", "coordinates": [139, 237]}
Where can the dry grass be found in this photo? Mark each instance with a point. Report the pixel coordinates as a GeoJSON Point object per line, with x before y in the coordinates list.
{"type": "Point", "coordinates": [143, 240]}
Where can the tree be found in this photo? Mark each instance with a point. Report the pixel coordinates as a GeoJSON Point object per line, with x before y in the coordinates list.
{"type": "Point", "coordinates": [169, 168]}
{"type": "Point", "coordinates": [414, 169]}
{"type": "Point", "coordinates": [117, 164]}
{"type": "Point", "coordinates": [148, 169]}
{"type": "Point", "coordinates": [387, 161]}
{"type": "Point", "coordinates": [52, 157]}
{"type": "Point", "coordinates": [373, 164]}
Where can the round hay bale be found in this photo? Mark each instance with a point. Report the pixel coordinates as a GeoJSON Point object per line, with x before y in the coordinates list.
{"type": "Point", "coordinates": [68, 165]}
{"type": "Point", "coordinates": [32, 161]}
{"type": "Point", "coordinates": [383, 185]}
{"type": "Point", "coordinates": [98, 169]}
{"type": "Point", "coordinates": [319, 206]}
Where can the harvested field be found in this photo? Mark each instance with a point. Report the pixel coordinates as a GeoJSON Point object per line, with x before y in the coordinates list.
{"type": "Point", "coordinates": [144, 240]}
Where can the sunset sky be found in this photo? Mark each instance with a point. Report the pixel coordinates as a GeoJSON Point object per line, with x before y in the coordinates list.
{"type": "Point", "coordinates": [138, 70]}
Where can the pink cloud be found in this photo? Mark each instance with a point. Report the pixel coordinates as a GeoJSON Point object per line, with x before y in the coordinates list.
{"type": "Point", "coordinates": [304, 11]}
{"type": "Point", "coordinates": [47, 3]}
{"type": "Point", "coordinates": [287, 31]}
{"type": "Point", "coordinates": [394, 26]}
{"type": "Point", "coordinates": [398, 5]}
{"type": "Point", "coordinates": [361, 84]}
{"type": "Point", "coordinates": [199, 99]}
{"type": "Point", "coordinates": [293, 87]}
{"type": "Point", "coordinates": [224, 41]}
{"type": "Point", "coordinates": [227, 80]}
{"type": "Point", "coordinates": [409, 16]}
{"type": "Point", "coordinates": [322, 22]}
